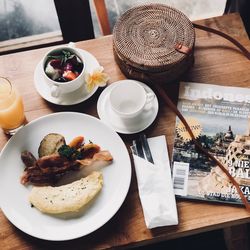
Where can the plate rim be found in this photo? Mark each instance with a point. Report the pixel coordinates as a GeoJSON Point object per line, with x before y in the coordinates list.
{"type": "Point", "coordinates": [126, 190]}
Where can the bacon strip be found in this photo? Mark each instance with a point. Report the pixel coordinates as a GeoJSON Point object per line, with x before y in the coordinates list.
{"type": "Point", "coordinates": [49, 169]}
{"type": "Point", "coordinates": [100, 156]}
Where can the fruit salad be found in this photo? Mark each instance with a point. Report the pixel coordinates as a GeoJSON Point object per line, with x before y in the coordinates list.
{"type": "Point", "coordinates": [63, 66]}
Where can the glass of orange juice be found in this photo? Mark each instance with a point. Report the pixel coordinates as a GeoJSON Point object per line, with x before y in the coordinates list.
{"type": "Point", "coordinates": [11, 107]}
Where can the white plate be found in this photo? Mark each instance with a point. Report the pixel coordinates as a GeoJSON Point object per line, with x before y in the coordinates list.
{"type": "Point", "coordinates": [14, 196]}
{"type": "Point", "coordinates": [74, 97]}
{"type": "Point", "coordinates": [129, 126]}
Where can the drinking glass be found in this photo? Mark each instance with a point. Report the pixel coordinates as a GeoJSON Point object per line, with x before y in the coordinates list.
{"type": "Point", "coordinates": [11, 108]}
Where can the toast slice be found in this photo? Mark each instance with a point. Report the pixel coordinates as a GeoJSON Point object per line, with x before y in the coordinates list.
{"type": "Point", "coordinates": [67, 198]}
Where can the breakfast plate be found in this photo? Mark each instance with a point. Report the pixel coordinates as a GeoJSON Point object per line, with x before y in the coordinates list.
{"type": "Point", "coordinates": [129, 126]}
{"type": "Point", "coordinates": [71, 98]}
{"type": "Point", "coordinates": [14, 195]}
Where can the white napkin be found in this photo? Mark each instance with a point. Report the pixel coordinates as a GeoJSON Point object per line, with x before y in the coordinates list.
{"type": "Point", "coordinates": [155, 186]}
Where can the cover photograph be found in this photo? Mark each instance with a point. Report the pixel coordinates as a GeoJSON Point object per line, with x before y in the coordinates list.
{"type": "Point", "coordinates": [219, 118]}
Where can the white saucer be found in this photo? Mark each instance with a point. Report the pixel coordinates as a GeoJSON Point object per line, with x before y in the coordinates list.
{"type": "Point", "coordinates": [129, 126]}
{"type": "Point", "coordinates": [72, 98]}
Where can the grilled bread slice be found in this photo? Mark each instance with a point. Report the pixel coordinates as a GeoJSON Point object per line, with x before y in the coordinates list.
{"type": "Point", "coordinates": [66, 198]}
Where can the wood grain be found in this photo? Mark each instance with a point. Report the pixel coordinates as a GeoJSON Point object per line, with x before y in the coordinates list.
{"type": "Point", "coordinates": [216, 61]}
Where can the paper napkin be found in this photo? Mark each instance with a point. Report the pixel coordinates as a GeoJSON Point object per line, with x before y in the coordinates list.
{"type": "Point", "coordinates": [155, 186]}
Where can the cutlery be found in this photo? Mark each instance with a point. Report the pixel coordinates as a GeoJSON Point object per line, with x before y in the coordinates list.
{"type": "Point", "coordinates": [138, 148]}
{"type": "Point", "coordinates": [141, 148]}
{"type": "Point", "coordinates": [146, 149]}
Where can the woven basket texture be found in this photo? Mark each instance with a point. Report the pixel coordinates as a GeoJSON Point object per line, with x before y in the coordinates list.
{"type": "Point", "coordinates": [144, 40]}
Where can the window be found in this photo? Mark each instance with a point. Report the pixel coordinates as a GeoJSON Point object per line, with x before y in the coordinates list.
{"type": "Point", "coordinates": [28, 23]}
{"type": "Point", "coordinates": [194, 9]}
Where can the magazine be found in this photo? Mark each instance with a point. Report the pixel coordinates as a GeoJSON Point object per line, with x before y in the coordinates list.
{"type": "Point", "coordinates": [219, 118]}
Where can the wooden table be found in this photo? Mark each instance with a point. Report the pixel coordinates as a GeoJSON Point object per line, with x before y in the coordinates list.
{"type": "Point", "coordinates": [216, 61]}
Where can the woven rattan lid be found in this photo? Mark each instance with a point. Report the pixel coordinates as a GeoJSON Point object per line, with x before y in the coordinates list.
{"type": "Point", "coordinates": [146, 37]}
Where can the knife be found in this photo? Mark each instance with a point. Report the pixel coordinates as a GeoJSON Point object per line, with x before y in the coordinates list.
{"type": "Point", "coordinates": [144, 142]}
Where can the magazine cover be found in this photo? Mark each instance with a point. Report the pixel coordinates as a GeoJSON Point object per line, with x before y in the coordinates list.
{"type": "Point", "coordinates": [219, 118]}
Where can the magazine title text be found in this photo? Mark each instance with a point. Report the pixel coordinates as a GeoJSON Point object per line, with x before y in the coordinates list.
{"type": "Point", "coordinates": [209, 93]}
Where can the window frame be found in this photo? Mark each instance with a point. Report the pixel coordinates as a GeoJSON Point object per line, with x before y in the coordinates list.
{"type": "Point", "coordinates": [70, 14]}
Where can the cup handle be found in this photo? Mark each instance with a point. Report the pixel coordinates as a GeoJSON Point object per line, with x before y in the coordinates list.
{"type": "Point", "coordinates": [55, 91]}
{"type": "Point", "coordinates": [149, 100]}
{"type": "Point", "coordinates": [150, 97]}
{"type": "Point", "coordinates": [72, 45]}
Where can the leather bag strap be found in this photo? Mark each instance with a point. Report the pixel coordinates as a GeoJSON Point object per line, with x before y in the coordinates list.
{"type": "Point", "coordinates": [245, 52]}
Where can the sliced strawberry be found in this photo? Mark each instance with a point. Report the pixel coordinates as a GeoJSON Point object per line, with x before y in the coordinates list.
{"type": "Point", "coordinates": [69, 75]}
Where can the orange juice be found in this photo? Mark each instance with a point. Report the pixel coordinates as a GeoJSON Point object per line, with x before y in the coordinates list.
{"type": "Point", "coordinates": [11, 107]}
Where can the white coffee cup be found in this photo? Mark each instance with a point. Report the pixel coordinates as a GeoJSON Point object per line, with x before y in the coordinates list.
{"type": "Point", "coordinates": [128, 98]}
{"type": "Point", "coordinates": [59, 88]}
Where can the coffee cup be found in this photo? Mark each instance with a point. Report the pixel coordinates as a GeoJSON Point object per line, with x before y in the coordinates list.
{"type": "Point", "coordinates": [129, 99]}
{"type": "Point", "coordinates": [61, 84]}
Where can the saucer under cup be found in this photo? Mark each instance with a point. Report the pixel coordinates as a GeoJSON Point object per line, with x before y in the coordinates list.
{"type": "Point", "coordinates": [130, 125]}
{"type": "Point", "coordinates": [79, 95]}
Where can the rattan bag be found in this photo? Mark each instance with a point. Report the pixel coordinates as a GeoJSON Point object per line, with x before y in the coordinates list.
{"type": "Point", "coordinates": [154, 41]}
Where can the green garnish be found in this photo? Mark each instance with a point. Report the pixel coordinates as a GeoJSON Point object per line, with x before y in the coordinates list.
{"type": "Point", "coordinates": [69, 153]}
{"type": "Point", "coordinates": [63, 57]}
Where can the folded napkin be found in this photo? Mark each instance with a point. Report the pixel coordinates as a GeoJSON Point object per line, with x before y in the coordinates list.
{"type": "Point", "coordinates": [155, 186]}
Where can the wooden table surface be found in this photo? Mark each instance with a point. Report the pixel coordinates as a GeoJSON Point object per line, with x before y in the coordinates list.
{"type": "Point", "coordinates": [216, 61]}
